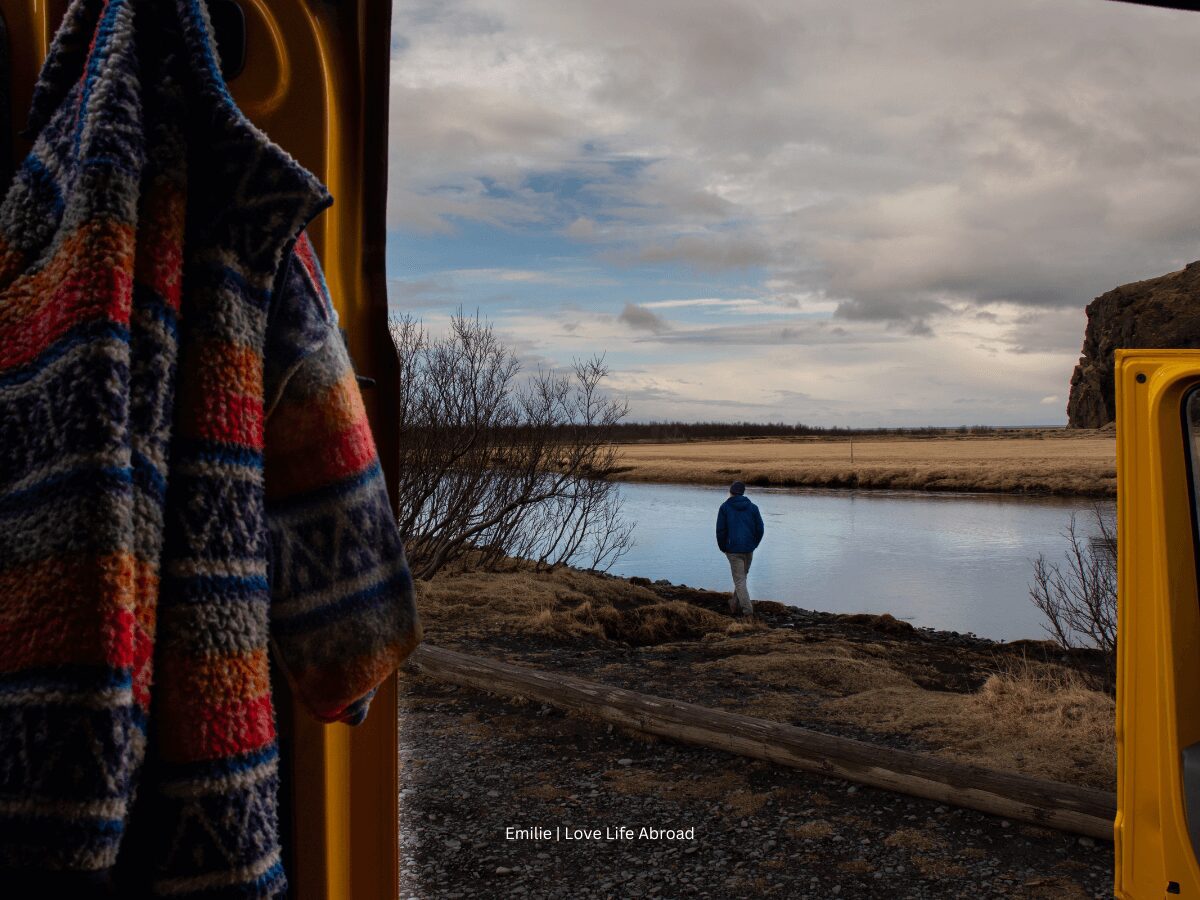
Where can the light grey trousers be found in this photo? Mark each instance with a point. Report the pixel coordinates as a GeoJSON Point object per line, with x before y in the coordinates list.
{"type": "Point", "coordinates": [739, 565]}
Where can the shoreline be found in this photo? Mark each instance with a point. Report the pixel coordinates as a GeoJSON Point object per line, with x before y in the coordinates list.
{"type": "Point", "coordinates": [884, 482]}
{"type": "Point", "coordinates": [777, 614]}
{"type": "Point", "coordinates": [1026, 705]}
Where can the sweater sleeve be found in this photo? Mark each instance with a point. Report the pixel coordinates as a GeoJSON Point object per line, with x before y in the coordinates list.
{"type": "Point", "coordinates": [342, 611]}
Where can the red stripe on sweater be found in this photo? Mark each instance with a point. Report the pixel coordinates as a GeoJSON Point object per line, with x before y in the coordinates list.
{"type": "Point", "coordinates": [220, 385]}
{"type": "Point", "coordinates": [141, 663]}
{"type": "Point", "coordinates": [160, 256]}
{"type": "Point", "coordinates": [312, 268]}
{"type": "Point", "coordinates": [230, 419]}
{"type": "Point", "coordinates": [95, 246]}
{"type": "Point", "coordinates": [211, 731]}
{"type": "Point", "coordinates": [309, 467]}
{"type": "Point", "coordinates": [101, 294]}
{"type": "Point", "coordinates": [43, 622]}
{"type": "Point", "coordinates": [304, 252]}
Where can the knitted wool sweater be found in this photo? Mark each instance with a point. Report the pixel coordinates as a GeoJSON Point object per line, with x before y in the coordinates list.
{"type": "Point", "coordinates": [187, 478]}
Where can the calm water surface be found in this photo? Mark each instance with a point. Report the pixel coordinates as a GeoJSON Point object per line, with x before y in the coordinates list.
{"type": "Point", "coordinates": [960, 562]}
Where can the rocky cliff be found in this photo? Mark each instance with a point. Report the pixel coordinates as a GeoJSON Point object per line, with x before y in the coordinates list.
{"type": "Point", "coordinates": [1157, 313]}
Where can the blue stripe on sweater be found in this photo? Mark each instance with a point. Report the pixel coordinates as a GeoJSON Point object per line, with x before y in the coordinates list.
{"type": "Point", "coordinates": [66, 678]}
{"type": "Point", "coordinates": [215, 588]}
{"type": "Point", "coordinates": [356, 603]}
{"type": "Point", "coordinates": [230, 765]}
{"type": "Point", "coordinates": [271, 883]}
{"type": "Point", "coordinates": [197, 450]}
{"type": "Point", "coordinates": [147, 300]}
{"type": "Point", "coordinates": [210, 61]}
{"type": "Point", "coordinates": [215, 274]}
{"type": "Point", "coordinates": [85, 333]}
{"type": "Point", "coordinates": [147, 477]}
{"type": "Point", "coordinates": [37, 169]}
{"type": "Point", "coordinates": [79, 482]}
{"type": "Point", "coordinates": [32, 829]}
{"type": "Point", "coordinates": [100, 50]}
{"type": "Point", "coordinates": [327, 494]}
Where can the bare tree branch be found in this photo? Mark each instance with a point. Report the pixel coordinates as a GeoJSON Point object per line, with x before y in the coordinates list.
{"type": "Point", "coordinates": [495, 465]}
{"type": "Point", "coordinates": [1079, 596]}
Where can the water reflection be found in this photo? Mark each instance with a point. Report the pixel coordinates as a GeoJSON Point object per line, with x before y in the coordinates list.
{"type": "Point", "coordinates": [955, 561]}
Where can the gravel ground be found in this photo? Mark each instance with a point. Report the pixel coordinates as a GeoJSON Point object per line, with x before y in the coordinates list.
{"type": "Point", "coordinates": [473, 766]}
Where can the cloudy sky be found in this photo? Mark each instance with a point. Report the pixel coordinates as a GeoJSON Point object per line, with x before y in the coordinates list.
{"type": "Point", "coordinates": [839, 213]}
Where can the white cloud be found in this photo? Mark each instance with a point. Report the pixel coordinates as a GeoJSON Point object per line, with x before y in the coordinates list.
{"type": "Point", "coordinates": [527, 276]}
{"type": "Point", "coordinates": [968, 173]}
{"type": "Point", "coordinates": [1024, 151]}
{"type": "Point", "coordinates": [822, 373]}
{"type": "Point", "coordinates": [582, 229]}
{"type": "Point", "coordinates": [741, 306]}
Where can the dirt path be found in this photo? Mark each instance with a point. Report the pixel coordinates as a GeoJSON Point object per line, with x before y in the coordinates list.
{"type": "Point", "coordinates": [473, 766]}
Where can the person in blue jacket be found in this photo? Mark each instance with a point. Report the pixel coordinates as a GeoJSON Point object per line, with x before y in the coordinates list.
{"type": "Point", "coordinates": [739, 532]}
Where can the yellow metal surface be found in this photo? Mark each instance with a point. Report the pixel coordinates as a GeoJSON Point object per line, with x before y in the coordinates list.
{"type": "Point", "coordinates": [1158, 666]}
{"type": "Point", "coordinates": [315, 80]}
{"type": "Point", "coordinates": [31, 25]}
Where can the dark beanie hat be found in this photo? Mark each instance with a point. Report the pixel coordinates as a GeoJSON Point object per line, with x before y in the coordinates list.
{"type": "Point", "coordinates": [737, 488]}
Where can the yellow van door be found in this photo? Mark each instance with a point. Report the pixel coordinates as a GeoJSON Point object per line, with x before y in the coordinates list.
{"type": "Point", "coordinates": [1157, 830]}
{"type": "Point", "coordinates": [313, 76]}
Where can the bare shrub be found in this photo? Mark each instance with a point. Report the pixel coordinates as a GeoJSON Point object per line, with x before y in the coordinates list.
{"type": "Point", "coordinates": [1079, 596]}
{"type": "Point", "coordinates": [494, 465]}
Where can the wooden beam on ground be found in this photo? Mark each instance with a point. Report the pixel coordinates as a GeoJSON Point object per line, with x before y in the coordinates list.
{"type": "Point", "coordinates": [1052, 804]}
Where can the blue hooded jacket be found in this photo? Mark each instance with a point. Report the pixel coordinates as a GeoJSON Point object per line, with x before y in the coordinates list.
{"type": "Point", "coordinates": [739, 526]}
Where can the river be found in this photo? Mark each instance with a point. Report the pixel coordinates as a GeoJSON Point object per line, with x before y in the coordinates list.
{"type": "Point", "coordinates": [960, 562]}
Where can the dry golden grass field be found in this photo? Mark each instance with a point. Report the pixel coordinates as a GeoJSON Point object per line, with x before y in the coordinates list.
{"type": "Point", "coordinates": [992, 706]}
{"type": "Point", "coordinates": [1050, 462]}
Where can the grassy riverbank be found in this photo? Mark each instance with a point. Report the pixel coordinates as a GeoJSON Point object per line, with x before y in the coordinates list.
{"type": "Point", "coordinates": [1024, 706]}
{"type": "Point", "coordinates": [1049, 461]}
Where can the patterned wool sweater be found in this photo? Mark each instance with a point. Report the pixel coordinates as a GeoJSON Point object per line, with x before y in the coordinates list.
{"type": "Point", "coordinates": [187, 479]}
